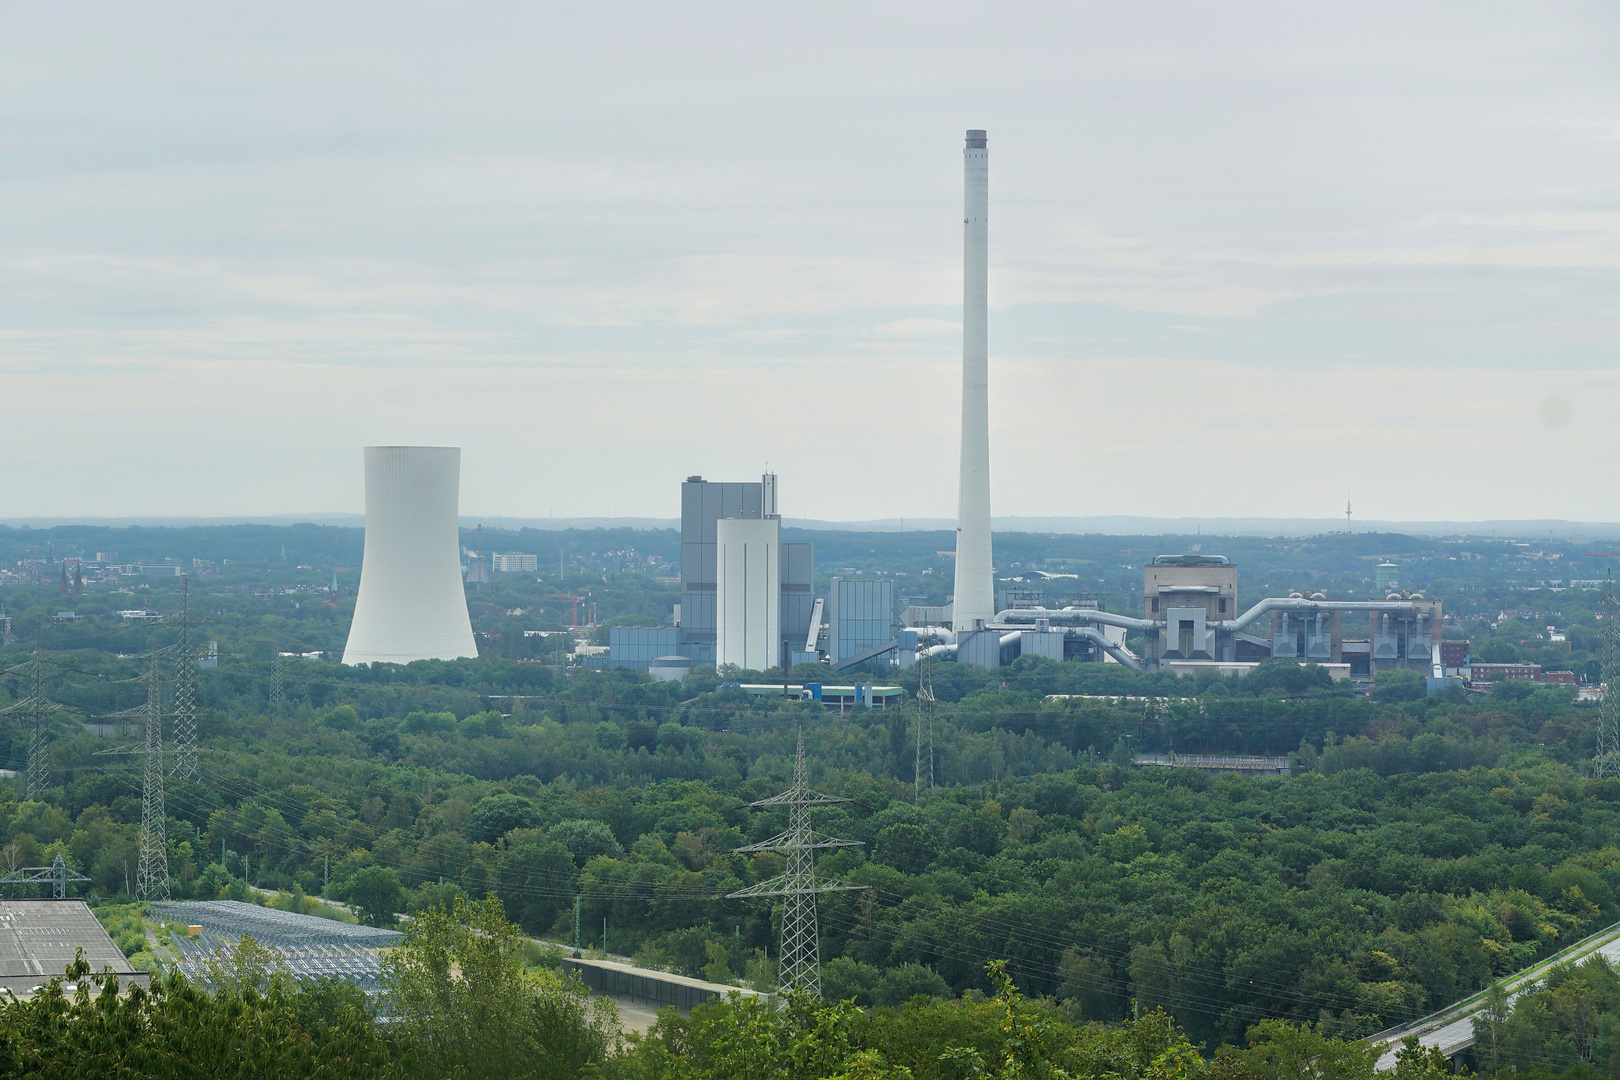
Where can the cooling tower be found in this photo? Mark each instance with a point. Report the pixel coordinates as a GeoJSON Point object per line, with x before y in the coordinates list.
{"type": "Point", "coordinates": [411, 605]}
{"type": "Point", "coordinates": [975, 597]}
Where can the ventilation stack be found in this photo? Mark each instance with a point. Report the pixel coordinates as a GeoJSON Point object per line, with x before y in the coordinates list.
{"type": "Point", "coordinates": [975, 595]}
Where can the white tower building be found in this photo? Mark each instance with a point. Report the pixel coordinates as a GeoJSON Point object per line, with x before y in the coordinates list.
{"type": "Point", "coordinates": [975, 590]}
{"type": "Point", "coordinates": [411, 605]}
{"type": "Point", "coordinates": [748, 592]}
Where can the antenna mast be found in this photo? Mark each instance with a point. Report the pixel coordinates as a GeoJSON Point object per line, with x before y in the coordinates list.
{"type": "Point", "coordinates": [800, 955]}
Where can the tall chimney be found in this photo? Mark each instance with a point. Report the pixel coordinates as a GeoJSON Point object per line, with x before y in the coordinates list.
{"type": "Point", "coordinates": [975, 598]}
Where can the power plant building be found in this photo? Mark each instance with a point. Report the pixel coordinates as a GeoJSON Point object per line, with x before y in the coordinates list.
{"type": "Point", "coordinates": [704, 504]}
{"type": "Point", "coordinates": [860, 616]}
{"type": "Point", "coordinates": [412, 604]}
{"type": "Point", "coordinates": [748, 592]}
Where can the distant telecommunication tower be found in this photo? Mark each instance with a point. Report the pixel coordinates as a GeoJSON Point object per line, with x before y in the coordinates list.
{"type": "Point", "coordinates": [183, 761]}
{"type": "Point", "coordinates": [1606, 760]}
{"type": "Point", "coordinates": [924, 778]}
{"type": "Point", "coordinates": [152, 872]}
{"type": "Point", "coordinates": [800, 955]}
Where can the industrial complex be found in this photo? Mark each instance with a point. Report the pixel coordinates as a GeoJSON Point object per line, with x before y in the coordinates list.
{"type": "Point", "coordinates": [748, 599]}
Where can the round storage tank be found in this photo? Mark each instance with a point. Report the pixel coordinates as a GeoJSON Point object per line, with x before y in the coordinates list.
{"type": "Point", "coordinates": [670, 668]}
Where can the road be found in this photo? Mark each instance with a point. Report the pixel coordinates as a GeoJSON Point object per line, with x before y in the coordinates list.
{"type": "Point", "coordinates": [1452, 1028]}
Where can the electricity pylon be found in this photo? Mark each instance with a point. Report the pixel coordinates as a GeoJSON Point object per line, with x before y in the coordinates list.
{"type": "Point", "coordinates": [183, 760]}
{"type": "Point", "coordinates": [152, 872]}
{"type": "Point", "coordinates": [800, 956]}
{"type": "Point", "coordinates": [1606, 760]}
{"type": "Point", "coordinates": [924, 778]}
{"type": "Point", "coordinates": [276, 690]}
{"type": "Point", "coordinates": [35, 710]}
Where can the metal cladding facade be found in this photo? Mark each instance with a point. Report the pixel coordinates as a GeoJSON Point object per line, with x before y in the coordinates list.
{"type": "Point", "coordinates": [411, 605]}
{"type": "Point", "coordinates": [975, 592]}
{"type": "Point", "coordinates": [860, 616]}
{"type": "Point", "coordinates": [748, 594]}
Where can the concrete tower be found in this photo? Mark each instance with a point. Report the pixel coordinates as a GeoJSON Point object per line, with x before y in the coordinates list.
{"type": "Point", "coordinates": [411, 605]}
{"type": "Point", "coordinates": [975, 595]}
{"type": "Point", "coordinates": [748, 592]}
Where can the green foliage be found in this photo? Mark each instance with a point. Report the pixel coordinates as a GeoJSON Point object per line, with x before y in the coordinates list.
{"type": "Point", "coordinates": [376, 894]}
{"type": "Point", "coordinates": [1392, 686]}
{"type": "Point", "coordinates": [176, 1030]}
{"type": "Point", "coordinates": [466, 1007]}
{"type": "Point", "coordinates": [497, 815]}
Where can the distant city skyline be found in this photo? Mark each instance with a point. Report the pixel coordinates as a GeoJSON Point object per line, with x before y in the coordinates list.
{"type": "Point", "coordinates": [1241, 261]}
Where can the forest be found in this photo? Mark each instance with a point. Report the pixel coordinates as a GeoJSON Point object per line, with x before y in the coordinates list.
{"type": "Point", "coordinates": [1417, 849]}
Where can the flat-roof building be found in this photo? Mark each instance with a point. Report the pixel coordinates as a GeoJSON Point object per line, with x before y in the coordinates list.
{"type": "Point", "coordinates": [40, 938]}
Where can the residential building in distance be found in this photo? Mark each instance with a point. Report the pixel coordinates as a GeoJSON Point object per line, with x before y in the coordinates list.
{"type": "Point", "coordinates": [514, 562]}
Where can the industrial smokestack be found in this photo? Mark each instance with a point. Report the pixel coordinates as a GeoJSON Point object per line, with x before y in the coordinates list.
{"type": "Point", "coordinates": [411, 605]}
{"type": "Point", "coordinates": [975, 599]}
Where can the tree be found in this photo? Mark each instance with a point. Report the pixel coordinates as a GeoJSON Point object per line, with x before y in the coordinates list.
{"type": "Point", "coordinates": [1403, 685]}
{"type": "Point", "coordinates": [466, 1008]}
{"type": "Point", "coordinates": [174, 1029]}
{"type": "Point", "coordinates": [494, 816]}
{"type": "Point", "coordinates": [1279, 1050]}
{"type": "Point", "coordinates": [375, 893]}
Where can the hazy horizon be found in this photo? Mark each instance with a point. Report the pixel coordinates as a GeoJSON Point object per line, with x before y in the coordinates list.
{"type": "Point", "coordinates": [1244, 263]}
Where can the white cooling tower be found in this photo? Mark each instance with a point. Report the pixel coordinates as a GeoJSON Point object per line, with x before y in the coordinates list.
{"type": "Point", "coordinates": [412, 605]}
{"type": "Point", "coordinates": [975, 595]}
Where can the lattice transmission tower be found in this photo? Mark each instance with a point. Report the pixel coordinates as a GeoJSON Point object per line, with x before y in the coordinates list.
{"type": "Point", "coordinates": [1606, 760]}
{"type": "Point", "coordinates": [924, 778]}
{"type": "Point", "coordinates": [183, 759]}
{"type": "Point", "coordinates": [35, 712]}
{"type": "Point", "coordinates": [799, 961]}
{"type": "Point", "coordinates": [277, 689]}
{"type": "Point", "coordinates": [152, 872]}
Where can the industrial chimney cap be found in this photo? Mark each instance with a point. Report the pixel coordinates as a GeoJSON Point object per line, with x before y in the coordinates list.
{"type": "Point", "coordinates": [976, 139]}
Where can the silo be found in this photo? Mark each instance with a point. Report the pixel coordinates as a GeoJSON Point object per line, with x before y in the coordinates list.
{"type": "Point", "coordinates": [748, 592]}
{"type": "Point", "coordinates": [411, 605]}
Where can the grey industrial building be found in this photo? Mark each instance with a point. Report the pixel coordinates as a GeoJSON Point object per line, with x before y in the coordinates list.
{"type": "Point", "coordinates": [703, 504]}
{"type": "Point", "coordinates": [860, 617]}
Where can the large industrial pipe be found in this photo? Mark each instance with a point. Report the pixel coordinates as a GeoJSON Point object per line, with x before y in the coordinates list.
{"type": "Point", "coordinates": [1118, 652]}
{"type": "Point", "coordinates": [975, 598]}
{"type": "Point", "coordinates": [1289, 603]}
{"type": "Point", "coordinates": [1014, 616]}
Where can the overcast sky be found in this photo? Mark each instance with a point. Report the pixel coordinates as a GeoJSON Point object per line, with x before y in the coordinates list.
{"type": "Point", "coordinates": [1245, 259]}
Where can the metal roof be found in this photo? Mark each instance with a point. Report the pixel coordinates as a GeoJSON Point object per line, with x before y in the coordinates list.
{"type": "Point", "coordinates": [39, 939]}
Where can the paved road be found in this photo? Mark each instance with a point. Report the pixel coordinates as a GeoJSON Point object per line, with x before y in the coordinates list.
{"type": "Point", "coordinates": [1452, 1029]}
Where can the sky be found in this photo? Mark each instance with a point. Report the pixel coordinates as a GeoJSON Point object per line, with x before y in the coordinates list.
{"type": "Point", "coordinates": [1245, 260]}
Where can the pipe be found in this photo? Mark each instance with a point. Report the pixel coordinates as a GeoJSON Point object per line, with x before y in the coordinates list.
{"type": "Point", "coordinates": [1285, 603]}
{"type": "Point", "coordinates": [1014, 616]}
{"type": "Point", "coordinates": [1118, 652]}
{"type": "Point", "coordinates": [942, 635]}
